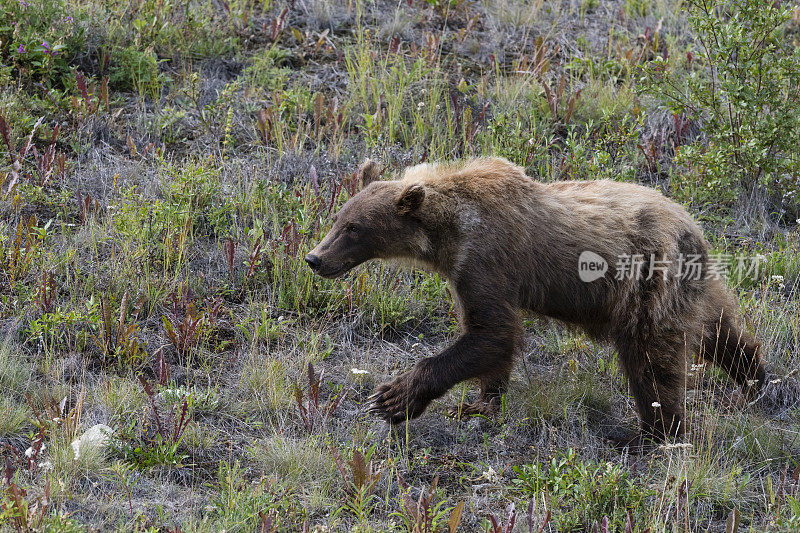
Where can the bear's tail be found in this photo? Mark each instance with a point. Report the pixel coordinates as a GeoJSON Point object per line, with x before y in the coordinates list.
{"type": "Point", "coordinates": [735, 351]}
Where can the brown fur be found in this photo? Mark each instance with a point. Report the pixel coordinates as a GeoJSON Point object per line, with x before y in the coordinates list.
{"type": "Point", "coordinates": [507, 242]}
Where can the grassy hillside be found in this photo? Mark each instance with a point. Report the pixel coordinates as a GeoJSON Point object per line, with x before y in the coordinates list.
{"type": "Point", "coordinates": [166, 164]}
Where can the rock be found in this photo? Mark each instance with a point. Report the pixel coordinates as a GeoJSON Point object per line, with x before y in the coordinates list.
{"type": "Point", "coordinates": [94, 438]}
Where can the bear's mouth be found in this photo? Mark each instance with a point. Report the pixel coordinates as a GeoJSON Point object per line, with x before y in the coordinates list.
{"type": "Point", "coordinates": [331, 273]}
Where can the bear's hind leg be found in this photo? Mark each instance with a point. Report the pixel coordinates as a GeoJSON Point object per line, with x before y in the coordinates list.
{"type": "Point", "coordinates": [493, 387]}
{"type": "Point", "coordinates": [657, 382]}
{"type": "Point", "coordinates": [736, 352]}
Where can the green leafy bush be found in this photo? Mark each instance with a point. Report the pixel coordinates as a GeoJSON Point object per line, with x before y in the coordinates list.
{"type": "Point", "coordinates": [742, 88]}
{"type": "Point", "coordinates": [39, 38]}
{"type": "Point", "coordinates": [134, 69]}
{"type": "Point", "coordinates": [582, 493]}
{"type": "Point", "coordinates": [243, 505]}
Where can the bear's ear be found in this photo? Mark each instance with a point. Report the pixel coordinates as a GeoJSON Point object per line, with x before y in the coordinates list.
{"type": "Point", "coordinates": [368, 172]}
{"type": "Point", "coordinates": [411, 198]}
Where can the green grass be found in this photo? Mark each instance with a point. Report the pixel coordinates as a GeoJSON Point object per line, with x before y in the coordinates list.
{"type": "Point", "coordinates": [15, 417]}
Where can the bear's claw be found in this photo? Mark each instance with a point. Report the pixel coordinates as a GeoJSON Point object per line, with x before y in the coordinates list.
{"type": "Point", "coordinates": [398, 400]}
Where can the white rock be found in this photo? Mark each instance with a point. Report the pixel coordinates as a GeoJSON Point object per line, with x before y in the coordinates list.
{"type": "Point", "coordinates": [95, 438]}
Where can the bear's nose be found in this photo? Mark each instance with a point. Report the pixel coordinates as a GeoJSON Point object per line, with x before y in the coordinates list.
{"type": "Point", "coordinates": [313, 261]}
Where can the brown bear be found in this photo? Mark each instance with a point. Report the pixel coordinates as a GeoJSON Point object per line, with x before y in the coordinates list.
{"type": "Point", "coordinates": [609, 257]}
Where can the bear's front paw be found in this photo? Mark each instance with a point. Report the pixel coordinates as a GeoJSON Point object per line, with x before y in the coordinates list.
{"type": "Point", "coordinates": [403, 398]}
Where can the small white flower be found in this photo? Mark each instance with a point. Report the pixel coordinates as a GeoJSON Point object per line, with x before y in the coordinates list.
{"type": "Point", "coordinates": [46, 466]}
{"type": "Point", "coordinates": [29, 452]}
{"type": "Point", "coordinates": [420, 105]}
{"type": "Point", "coordinates": [777, 279]}
{"type": "Point", "coordinates": [531, 141]}
{"type": "Point", "coordinates": [775, 381]}
{"type": "Point", "coordinates": [676, 446]}
{"type": "Point", "coordinates": [656, 405]}
{"type": "Point", "coordinates": [698, 367]}
{"type": "Point", "coordinates": [752, 382]}
{"type": "Point", "coordinates": [359, 372]}
{"type": "Point", "coordinates": [491, 476]}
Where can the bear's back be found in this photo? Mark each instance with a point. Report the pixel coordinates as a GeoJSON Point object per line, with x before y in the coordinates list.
{"type": "Point", "coordinates": [487, 180]}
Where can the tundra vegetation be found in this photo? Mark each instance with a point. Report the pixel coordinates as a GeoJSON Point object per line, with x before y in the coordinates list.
{"type": "Point", "coordinates": [165, 165]}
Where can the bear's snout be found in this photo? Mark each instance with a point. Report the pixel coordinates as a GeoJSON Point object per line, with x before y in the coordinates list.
{"type": "Point", "coordinates": [313, 261]}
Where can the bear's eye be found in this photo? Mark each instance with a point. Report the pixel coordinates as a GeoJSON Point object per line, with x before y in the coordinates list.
{"type": "Point", "coordinates": [352, 228]}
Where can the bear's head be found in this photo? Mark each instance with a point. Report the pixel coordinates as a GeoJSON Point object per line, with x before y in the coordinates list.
{"type": "Point", "coordinates": [380, 222]}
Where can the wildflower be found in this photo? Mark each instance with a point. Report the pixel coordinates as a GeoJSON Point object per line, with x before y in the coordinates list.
{"type": "Point", "coordinates": [46, 47]}
{"type": "Point", "coordinates": [359, 372]}
{"type": "Point", "coordinates": [677, 446]}
{"type": "Point", "coordinates": [21, 49]}
{"type": "Point", "coordinates": [491, 476]}
{"type": "Point", "coordinates": [23, 3]}
{"type": "Point", "coordinates": [29, 452]}
{"type": "Point", "coordinates": [420, 105]}
{"type": "Point", "coordinates": [656, 405]}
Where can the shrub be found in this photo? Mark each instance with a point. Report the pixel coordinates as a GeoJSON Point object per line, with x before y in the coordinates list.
{"type": "Point", "coordinates": [583, 493]}
{"type": "Point", "coordinates": [742, 88]}
{"type": "Point", "coordinates": [262, 504]}
{"type": "Point", "coordinates": [39, 38]}
{"type": "Point", "coordinates": [134, 69]}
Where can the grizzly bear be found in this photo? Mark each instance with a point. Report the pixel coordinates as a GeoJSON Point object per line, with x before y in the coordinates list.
{"type": "Point", "coordinates": [605, 256]}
